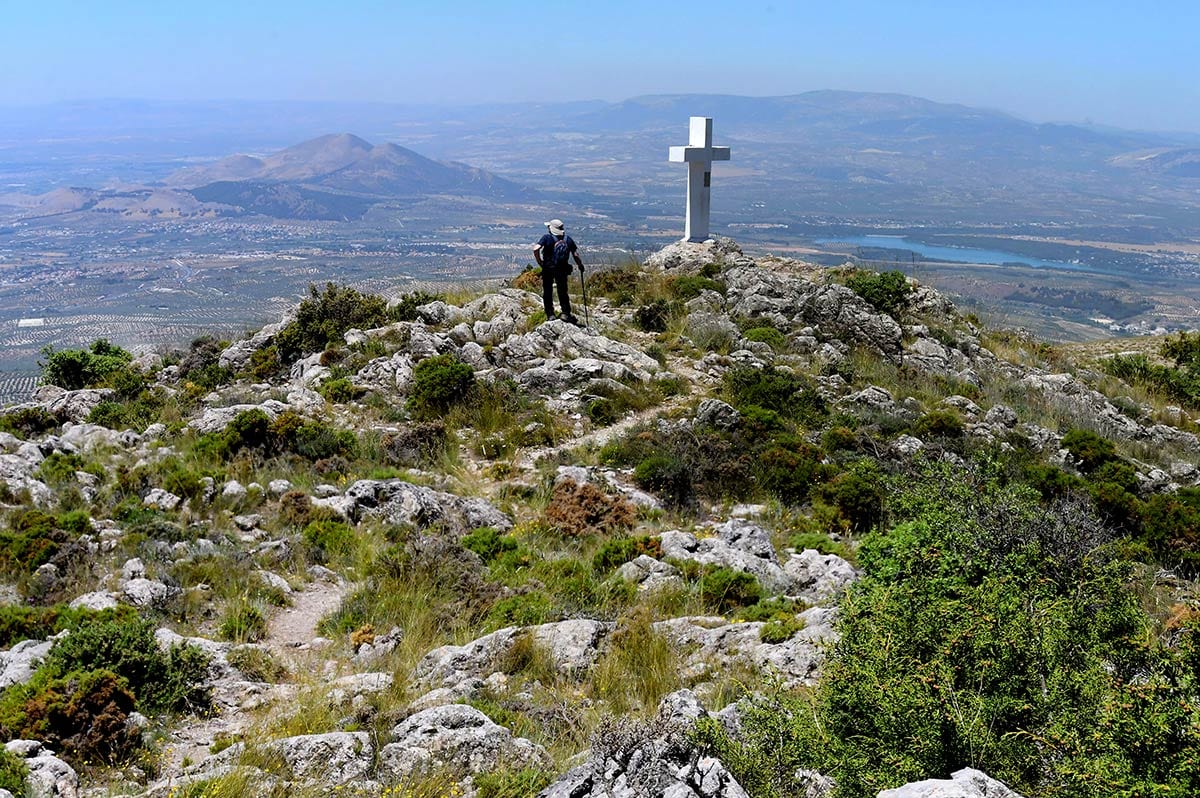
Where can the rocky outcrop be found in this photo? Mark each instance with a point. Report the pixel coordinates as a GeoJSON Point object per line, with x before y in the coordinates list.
{"type": "Point", "coordinates": [572, 645]}
{"type": "Point", "coordinates": [965, 783]}
{"type": "Point", "coordinates": [49, 776]}
{"type": "Point", "coordinates": [737, 544]}
{"type": "Point", "coordinates": [635, 759]}
{"type": "Point", "coordinates": [395, 501]}
{"type": "Point", "coordinates": [818, 578]}
{"type": "Point", "coordinates": [18, 664]}
{"type": "Point", "coordinates": [334, 758]}
{"type": "Point", "coordinates": [690, 256]}
{"type": "Point", "coordinates": [456, 737]}
{"type": "Point", "coordinates": [711, 644]}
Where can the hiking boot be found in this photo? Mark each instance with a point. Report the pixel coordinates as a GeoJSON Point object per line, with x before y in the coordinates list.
{"type": "Point", "coordinates": [570, 319]}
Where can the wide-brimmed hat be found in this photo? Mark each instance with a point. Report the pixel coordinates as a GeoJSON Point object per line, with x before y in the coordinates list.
{"type": "Point", "coordinates": [556, 227]}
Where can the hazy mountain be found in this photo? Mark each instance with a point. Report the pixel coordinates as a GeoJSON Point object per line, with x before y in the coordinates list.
{"type": "Point", "coordinates": [348, 164]}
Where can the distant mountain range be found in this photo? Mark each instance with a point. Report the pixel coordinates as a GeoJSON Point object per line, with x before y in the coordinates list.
{"type": "Point", "coordinates": [336, 177]}
{"type": "Point", "coordinates": [853, 156]}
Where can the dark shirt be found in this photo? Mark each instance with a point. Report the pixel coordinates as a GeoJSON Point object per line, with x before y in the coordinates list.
{"type": "Point", "coordinates": [547, 243]}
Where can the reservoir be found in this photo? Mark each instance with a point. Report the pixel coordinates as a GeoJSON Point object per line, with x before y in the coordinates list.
{"type": "Point", "coordinates": [954, 254]}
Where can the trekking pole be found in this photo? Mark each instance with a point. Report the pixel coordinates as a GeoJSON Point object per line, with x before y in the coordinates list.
{"type": "Point", "coordinates": [583, 286]}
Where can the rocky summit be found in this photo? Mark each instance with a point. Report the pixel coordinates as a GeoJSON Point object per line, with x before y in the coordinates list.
{"type": "Point", "coordinates": [761, 529]}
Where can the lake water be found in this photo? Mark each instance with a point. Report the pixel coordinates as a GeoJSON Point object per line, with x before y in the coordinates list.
{"type": "Point", "coordinates": [955, 254]}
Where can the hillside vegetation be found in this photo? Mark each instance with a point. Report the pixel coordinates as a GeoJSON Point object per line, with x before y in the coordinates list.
{"type": "Point", "coordinates": [764, 530]}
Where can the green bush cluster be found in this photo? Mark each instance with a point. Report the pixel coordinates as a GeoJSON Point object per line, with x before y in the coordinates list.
{"type": "Point", "coordinates": [327, 541]}
{"type": "Point", "coordinates": [993, 631]}
{"type": "Point", "coordinates": [28, 422]}
{"type": "Point", "coordinates": [654, 316]}
{"type": "Point", "coordinates": [31, 539]}
{"type": "Point", "coordinates": [21, 622]}
{"type": "Point", "coordinates": [84, 368]}
{"type": "Point", "coordinates": [439, 383]}
{"type": "Point", "coordinates": [615, 552]}
{"type": "Point", "coordinates": [1179, 382]}
{"type": "Point", "coordinates": [13, 772]}
{"type": "Point", "coordinates": [254, 432]}
{"type": "Point", "coordinates": [888, 292]}
{"type": "Point", "coordinates": [405, 308]}
{"type": "Point", "coordinates": [778, 390]}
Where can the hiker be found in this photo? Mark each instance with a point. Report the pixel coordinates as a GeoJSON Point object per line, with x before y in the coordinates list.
{"type": "Point", "coordinates": [553, 252]}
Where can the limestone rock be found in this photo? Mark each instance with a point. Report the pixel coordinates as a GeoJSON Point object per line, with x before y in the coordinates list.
{"type": "Point", "coordinates": [18, 664]}
{"type": "Point", "coordinates": [689, 256]}
{"type": "Point", "coordinates": [715, 413]}
{"type": "Point", "coordinates": [573, 646]}
{"type": "Point", "coordinates": [965, 783]}
{"type": "Point", "coordinates": [237, 355]}
{"type": "Point", "coordinates": [649, 573]}
{"type": "Point", "coordinates": [333, 758]}
{"type": "Point", "coordinates": [398, 502]}
{"type": "Point", "coordinates": [714, 643]}
{"type": "Point", "coordinates": [817, 577]}
{"type": "Point", "coordinates": [738, 544]}
{"type": "Point", "coordinates": [455, 736]}
{"type": "Point", "coordinates": [49, 776]}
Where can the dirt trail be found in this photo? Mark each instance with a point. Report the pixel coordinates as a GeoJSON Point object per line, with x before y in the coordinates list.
{"type": "Point", "coordinates": [296, 624]}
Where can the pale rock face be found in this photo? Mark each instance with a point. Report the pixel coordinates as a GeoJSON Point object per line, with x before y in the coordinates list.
{"type": "Point", "coordinates": [656, 760]}
{"type": "Point", "coordinates": [689, 256]}
{"type": "Point", "coordinates": [738, 544]}
{"type": "Point", "coordinates": [818, 578]}
{"type": "Point", "coordinates": [162, 500]}
{"type": "Point", "coordinates": [456, 736]}
{"type": "Point", "coordinates": [18, 664]}
{"type": "Point", "coordinates": [215, 419]}
{"type": "Point", "coordinates": [147, 593]}
{"type": "Point", "coordinates": [712, 643]}
{"type": "Point", "coordinates": [237, 354]}
{"type": "Point", "coordinates": [649, 573]}
{"type": "Point", "coordinates": [333, 758]}
{"type": "Point", "coordinates": [95, 601]}
{"type": "Point", "coordinates": [399, 502]}
{"type": "Point", "coordinates": [392, 374]}
{"type": "Point", "coordinates": [573, 645]}
{"type": "Point", "coordinates": [965, 783]}
{"type": "Point", "coordinates": [49, 776]}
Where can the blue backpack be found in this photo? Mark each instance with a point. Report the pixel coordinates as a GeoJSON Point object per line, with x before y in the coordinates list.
{"type": "Point", "coordinates": [562, 255]}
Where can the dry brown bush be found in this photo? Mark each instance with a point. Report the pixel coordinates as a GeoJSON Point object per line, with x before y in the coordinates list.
{"type": "Point", "coordinates": [577, 510]}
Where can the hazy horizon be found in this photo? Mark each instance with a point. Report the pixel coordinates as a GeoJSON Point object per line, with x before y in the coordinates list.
{"type": "Point", "coordinates": [1098, 63]}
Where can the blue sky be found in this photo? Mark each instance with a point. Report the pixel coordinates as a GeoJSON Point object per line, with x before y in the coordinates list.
{"type": "Point", "coordinates": [1128, 64]}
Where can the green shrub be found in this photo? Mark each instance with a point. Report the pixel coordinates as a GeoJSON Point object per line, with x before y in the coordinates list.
{"type": "Point", "coordinates": [939, 424]}
{"type": "Point", "coordinates": [21, 622]}
{"type": "Point", "coordinates": [725, 589]}
{"type": "Point", "coordinates": [789, 468]}
{"type": "Point", "coordinates": [340, 390]}
{"type": "Point", "coordinates": [439, 383]}
{"type": "Point", "coordinates": [819, 541]}
{"type": "Point", "coordinates": [32, 539]}
{"type": "Point", "coordinates": [12, 772]}
{"type": "Point", "coordinates": [328, 540]}
{"type": "Point", "coordinates": [406, 308]}
{"type": "Point", "coordinates": [666, 475]}
{"type": "Point", "coordinates": [617, 551]}
{"type": "Point", "coordinates": [619, 285]}
{"type": "Point", "coordinates": [258, 664]}
{"type": "Point", "coordinates": [84, 715]}
{"type": "Point", "coordinates": [780, 630]}
{"type": "Point", "coordinates": [767, 335]}
{"type": "Point", "coordinates": [887, 292]}
{"type": "Point", "coordinates": [83, 368]}
{"type": "Point", "coordinates": [785, 393]}
{"type": "Point", "coordinates": [324, 317]}
{"type": "Point", "coordinates": [857, 494]}
{"type": "Point", "coordinates": [243, 623]}
{"type": "Point", "coordinates": [316, 441]}
{"type": "Point", "coordinates": [489, 543]}
{"type": "Point", "coordinates": [653, 317]}
{"type": "Point", "coordinates": [689, 286]}
{"type": "Point", "coordinates": [28, 422]}
{"type": "Point", "coordinates": [1089, 449]}
{"type": "Point", "coordinates": [120, 642]}
{"type": "Point", "coordinates": [512, 783]}
{"type": "Point", "coordinates": [523, 609]}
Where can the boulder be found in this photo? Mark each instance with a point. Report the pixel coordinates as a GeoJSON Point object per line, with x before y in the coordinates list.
{"type": "Point", "coordinates": [715, 413]}
{"type": "Point", "coordinates": [818, 578]}
{"type": "Point", "coordinates": [455, 736]}
{"type": "Point", "coordinates": [635, 759]}
{"type": "Point", "coordinates": [332, 758]}
{"type": "Point", "coordinates": [649, 573]}
{"type": "Point", "coordinates": [738, 544]}
{"type": "Point", "coordinates": [965, 783]}
{"type": "Point", "coordinates": [398, 502]}
{"type": "Point", "coordinates": [692, 256]}
{"type": "Point", "coordinates": [49, 776]}
{"type": "Point", "coordinates": [573, 646]}
{"type": "Point", "coordinates": [711, 644]}
{"type": "Point", "coordinates": [237, 355]}
{"type": "Point", "coordinates": [19, 663]}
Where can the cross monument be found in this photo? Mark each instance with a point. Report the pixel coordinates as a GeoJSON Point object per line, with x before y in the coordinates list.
{"type": "Point", "coordinates": [698, 154]}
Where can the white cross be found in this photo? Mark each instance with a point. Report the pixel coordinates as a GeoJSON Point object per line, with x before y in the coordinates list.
{"type": "Point", "coordinates": [698, 154]}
